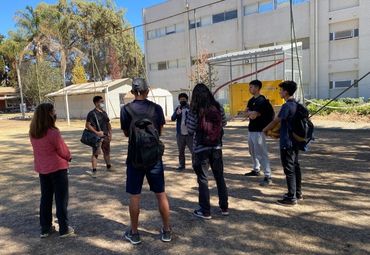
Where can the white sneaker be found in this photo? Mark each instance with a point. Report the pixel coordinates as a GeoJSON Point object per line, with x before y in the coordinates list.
{"type": "Point", "coordinates": [70, 232]}
{"type": "Point", "coordinates": [91, 173]}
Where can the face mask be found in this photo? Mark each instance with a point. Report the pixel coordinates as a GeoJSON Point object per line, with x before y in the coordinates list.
{"type": "Point", "coordinates": [183, 103]}
{"type": "Point", "coordinates": [102, 105]}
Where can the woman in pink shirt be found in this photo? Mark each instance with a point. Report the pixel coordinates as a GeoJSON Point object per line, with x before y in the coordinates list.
{"type": "Point", "coordinates": [51, 157]}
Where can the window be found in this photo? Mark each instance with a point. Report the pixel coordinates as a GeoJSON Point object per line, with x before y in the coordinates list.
{"type": "Point", "coordinates": [340, 35]}
{"type": "Point", "coordinates": [205, 21]}
{"type": "Point", "coordinates": [231, 15]}
{"type": "Point", "coordinates": [218, 18]}
{"type": "Point", "coordinates": [282, 3]}
{"type": "Point", "coordinates": [299, 1]}
{"type": "Point", "coordinates": [181, 63]}
{"type": "Point", "coordinates": [151, 34]}
{"type": "Point", "coordinates": [194, 23]}
{"type": "Point", "coordinates": [305, 43]}
{"type": "Point", "coordinates": [340, 84]}
{"type": "Point", "coordinates": [153, 67]}
{"type": "Point", "coordinates": [161, 32]}
{"type": "Point", "coordinates": [356, 32]}
{"type": "Point", "coordinates": [266, 45]}
{"type": "Point", "coordinates": [162, 65]}
{"type": "Point", "coordinates": [170, 30]}
{"type": "Point", "coordinates": [251, 9]}
{"type": "Point", "coordinates": [172, 64]}
{"type": "Point", "coordinates": [265, 6]}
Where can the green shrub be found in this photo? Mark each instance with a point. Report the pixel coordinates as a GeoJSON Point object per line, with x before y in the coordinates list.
{"type": "Point", "coordinates": [346, 105]}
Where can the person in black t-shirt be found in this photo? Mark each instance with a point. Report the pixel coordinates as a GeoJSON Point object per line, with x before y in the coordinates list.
{"type": "Point", "coordinates": [259, 118]}
{"type": "Point", "coordinates": [97, 121]}
{"type": "Point", "coordinates": [141, 106]}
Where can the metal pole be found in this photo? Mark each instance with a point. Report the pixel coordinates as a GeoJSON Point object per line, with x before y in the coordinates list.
{"type": "Point", "coordinates": [256, 65]}
{"type": "Point", "coordinates": [196, 46]}
{"type": "Point", "coordinates": [291, 37]}
{"type": "Point", "coordinates": [136, 67]}
{"type": "Point", "coordinates": [210, 76]}
{"type": "Point", "coordinates": [37, 81]}
{"type": "Point", "coordinates": [66, 98]}
{"type": "Point", "coordinates": [107, 100]}
{"type": "Point", "coordinates": [67, 107]}
{"type": "Point", "coordinates": [20, 88]}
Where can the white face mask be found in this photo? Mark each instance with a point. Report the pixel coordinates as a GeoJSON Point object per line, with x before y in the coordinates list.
{"type": "Point", "coordinates": [102, 105]}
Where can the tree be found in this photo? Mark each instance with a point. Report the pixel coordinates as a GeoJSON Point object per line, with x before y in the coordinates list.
{"type": "Point", "coordinates": [12, 51]}
{"type": "Point", "coordinates": [92, 30]}
{"type": "Point", "coordinates": [40, 80]}
{"type": "Point", "coordinates": [115, 70]}
{"type": "Point", "coordinates": [78, 72]}
{"type": "Point", "coordinates": [201, 73]}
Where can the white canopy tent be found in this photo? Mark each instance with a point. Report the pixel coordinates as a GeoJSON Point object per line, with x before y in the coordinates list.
{"type": "Point", "coordinates": [75, 101]}
{"type": "Point", "coordinates": [159, 96]}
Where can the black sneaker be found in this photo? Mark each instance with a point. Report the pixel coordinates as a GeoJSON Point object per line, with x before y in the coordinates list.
{"type": "Point", "coordinates": [133, 238]}
{"type": "Point", "coordinates": [224, 212]}
{"type": "Point", "coordinates": [300, 197]}
{"type": "Point", "coordinates": [109, 167]}
{"type": "Point", "coordinates": [166, 236]}
{"type": "Point", "coordinates": [266, 181]}
{"type": "Point", "coordinates": [48, 233]}
{"type": "Point", "coordinates": [180, 168]}
{"type": "Point", "coordinates": [287, 202]}
{"type": "Point", "coordinates": [200, 214]}
{"type": "Point", "coordinates": [253, 173]}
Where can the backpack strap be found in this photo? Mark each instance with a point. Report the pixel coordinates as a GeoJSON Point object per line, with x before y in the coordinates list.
{"type": "Point", "coordinates": [135, 116]}
{"type": "Point", "coordinates": [97, 121]}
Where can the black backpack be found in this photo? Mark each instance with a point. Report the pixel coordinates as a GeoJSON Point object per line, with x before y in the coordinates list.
{"type": "Point", "coordinates": [302, 128]}
{"type": "Point", "coordinates": [145, 149]}
{"type": "Point", "coordinates": [270, 113]}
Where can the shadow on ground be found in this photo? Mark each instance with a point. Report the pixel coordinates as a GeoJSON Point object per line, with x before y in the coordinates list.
{"type": "Point", "coordinates": [333, 219]}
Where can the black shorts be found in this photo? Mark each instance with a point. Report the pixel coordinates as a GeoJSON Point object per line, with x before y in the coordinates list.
{"type": "Point", "coordinates": [135, 179]}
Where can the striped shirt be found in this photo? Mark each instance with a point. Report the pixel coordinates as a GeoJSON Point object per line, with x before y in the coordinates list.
{"type": "Point", "coordinates": [192, 123]}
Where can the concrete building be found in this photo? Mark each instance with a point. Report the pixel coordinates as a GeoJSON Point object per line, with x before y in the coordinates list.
{"type": "Point", "coordinates": [335, 36]}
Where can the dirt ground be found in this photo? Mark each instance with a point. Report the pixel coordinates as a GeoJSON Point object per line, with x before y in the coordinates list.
{"type": "Point", "coordinates": [334, 218]}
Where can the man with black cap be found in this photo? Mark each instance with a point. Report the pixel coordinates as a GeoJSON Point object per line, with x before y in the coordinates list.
{"type": "Point", "coordinates": [143, 109]}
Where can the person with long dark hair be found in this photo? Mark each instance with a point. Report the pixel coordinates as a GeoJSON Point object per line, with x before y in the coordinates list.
{"type": "Point", "coordinates": [51, 157]}
{"type": "Point", "coordinates": [205, 122]}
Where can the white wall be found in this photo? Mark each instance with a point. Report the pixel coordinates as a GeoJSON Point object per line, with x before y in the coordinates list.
{"type": "Point", "coordinates": [79, 105]}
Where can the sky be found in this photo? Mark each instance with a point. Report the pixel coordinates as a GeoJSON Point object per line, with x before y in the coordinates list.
{"type": "Point", "coordinates": [133, 12]}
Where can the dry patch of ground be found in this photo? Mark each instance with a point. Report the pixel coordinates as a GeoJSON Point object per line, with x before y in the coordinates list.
{"type": "Point", "coordinates": [333, 219]}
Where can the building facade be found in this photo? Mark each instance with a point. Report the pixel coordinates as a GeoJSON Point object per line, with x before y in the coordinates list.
{"type": "Point", "coordinates": [335, 36]}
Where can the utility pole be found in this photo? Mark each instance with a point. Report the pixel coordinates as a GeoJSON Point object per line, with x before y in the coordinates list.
{"type": "Point", "coordinates": [20, 87]}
